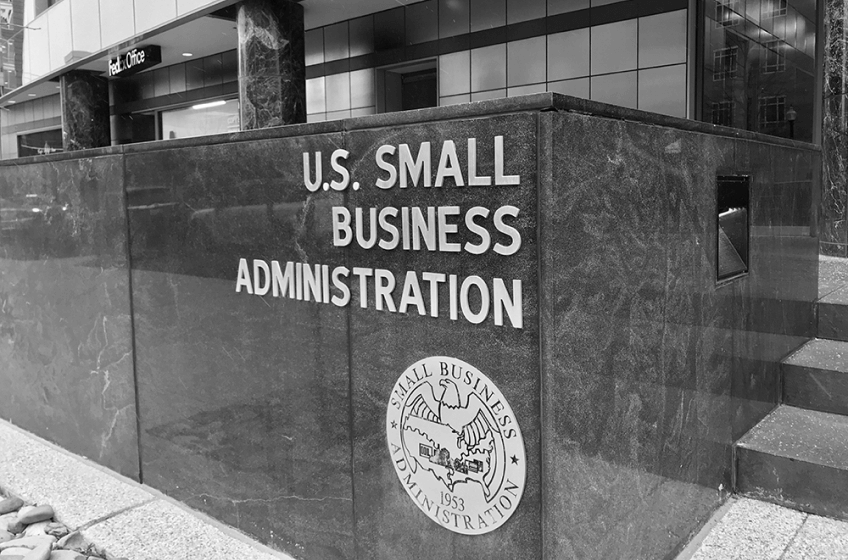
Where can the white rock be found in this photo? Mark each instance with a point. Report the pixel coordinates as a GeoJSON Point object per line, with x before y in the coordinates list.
{"type": "Point", "coordinates": [36, 529]}
{"type": "Point", "coordinates": [14, 552]}
{"type": "Point", "coordinates": [41, 552]}
{"type": "Point", "coordinates": [6, 519]}
{"type": "Point", "coordinates": [66, 555]}
{"type": "Point", "coordinates": [28, 542]}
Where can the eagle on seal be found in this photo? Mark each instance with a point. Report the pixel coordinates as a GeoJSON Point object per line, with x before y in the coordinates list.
{"type": "Point", "coordinates": [470, 420]}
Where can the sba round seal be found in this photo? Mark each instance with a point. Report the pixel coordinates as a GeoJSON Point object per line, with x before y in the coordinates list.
{"type": "Point", "coordinates": [456, 445]}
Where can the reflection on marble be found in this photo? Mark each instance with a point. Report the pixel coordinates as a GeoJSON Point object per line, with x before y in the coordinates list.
{"type": "Point", "coordinates": [243, 399]}
{"type": "Point", "coordinates": [85, 110]}
{"type": "Point", "coordinates": [272, 71]}
{"type": "Point", "coordinates": [389, 524]}
{"type": "Point", "coordinates": [834, 202]}
{"type": "Point", "coordinates": [647, 365]}
{"type": "Point", "coordinates": [65, 335]}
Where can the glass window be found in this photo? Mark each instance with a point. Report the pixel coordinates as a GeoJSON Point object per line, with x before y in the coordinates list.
{"type": "Point", "coordinates": [563, 6]}
{"type": "Point", "coordinates": [774, 8]}
{"type": "Point", "coordinates": [662, 39]}
{"type": "Point", "coordinates": [614, 47]}
{"type": "Point", "coordinates": [727, 13]}
{"type": "Point", "coordinates": [422, 23]}
{"type": "Point", "coordinates": [773, 60]}
{"type": "Point", "coordinates": [617, 89]}
{"type": "Point", "coordinates": [454, 100]}
{"type": "Point", "coordinates": [526, 62]}
{"type": "Point", "coordinates": [314, 46]}
{"type": "Point", "coordinates": [487, 14]}
{"type": "Point", "coordinates": [524, 10]}
{"type": "Point", "coordinates": [575, 88]}
{"type": "Point", "coordinates": [725, 63]}
{"type": "Point", "coordinates": [336, 42]}
{"type": "Point", "coordinates": [722, 113]}
{"type": "Point", "coordinates": [454, 73]}
{"type": "Point", "coordinates": [361, 31]}
{"type": "Point", "coordinates": [389, 29]}
{"type": "Point", "coordinates": [177, 78]}
{"type": "Point", "coordinates": [486, 95]}
{"type": "Point", "coordinates": [568, 54]}
{"type": "Point", "coordinates": [213, 70]}
{"type": "Point", "coordinates": [209, 117]}
{"type": "Point", "coordinates": [362, 88]}
{"type": "Point", "coordinates": [338, 92]}
{"type": "Point", "coordinates": [488, 68]}
{"type": "Point", "coordinates": [453, 18]}
{"type": "Point", "coordinates": [526, 90]}
{"type": "Point", "coordinates": [772, 109]}
{"type": "Point", "coordinates": [39, 143]}
{"type": "Point", "coordinates": [748, 67]}
{"type": "Point", "coordinates": [663, 90]}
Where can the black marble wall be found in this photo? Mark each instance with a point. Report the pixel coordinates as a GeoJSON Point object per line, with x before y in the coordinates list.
{"type": "Point", "coordinates": [834, 235]}
{"type": "Point", "coordinates": [244, 400]}
{"type": "Point", "coordinates": [66, 363]}
{"type": "Point", "coordinates": [631, 376]}
{"type": "Point", "coordinates": [85, 110]}
{"type": "Point", "coordinates": [272, 67]}
{"type": "Point", "coordinates": [650, 369]}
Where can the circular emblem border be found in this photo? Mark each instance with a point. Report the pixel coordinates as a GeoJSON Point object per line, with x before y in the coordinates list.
{"type": "Point", "coordinates": [456, 445]}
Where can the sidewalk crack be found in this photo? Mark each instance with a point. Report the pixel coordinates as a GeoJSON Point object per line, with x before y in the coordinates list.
{"type": "Point", "coordinates": [792, 540]}
{"type": "Point", "coordinates": [115, 513]}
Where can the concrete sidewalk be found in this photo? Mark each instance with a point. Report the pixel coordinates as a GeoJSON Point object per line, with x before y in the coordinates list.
{"type": "Point", "coordinates": [123, 517]}
{"type": "Point", "coordinates": [745, 529]}
{"type": "Point", "coordinates": [137, 522]}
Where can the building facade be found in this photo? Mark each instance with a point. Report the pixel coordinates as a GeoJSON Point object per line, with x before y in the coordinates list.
{"type": "Point", "coordinates": [747, 64]}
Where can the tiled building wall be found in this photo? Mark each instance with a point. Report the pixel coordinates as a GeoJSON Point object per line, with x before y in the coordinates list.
{"type": "Point", "coordinates": [628, 53]}
{"type": "Point", "coordinates": [73, 28]}
{"type": "Point", "coordinates": [39, 114]}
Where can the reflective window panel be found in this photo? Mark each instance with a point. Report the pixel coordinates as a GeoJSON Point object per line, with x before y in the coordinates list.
{"type": "Point", "coordinates": [212, 117]}
{"type": "Point", "coordinates": [759, 66]}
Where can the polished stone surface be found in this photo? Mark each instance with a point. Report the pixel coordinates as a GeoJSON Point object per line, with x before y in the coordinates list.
{"type": "Point", "coordinates": [816, 376]}
{"type": "Point", "coordinates": [85, 110]}
{"type": "Point", "coordinates": [797, 458]}
{"type": "Point", "coordinates": [650, 370]}
{"type": "Point", "coordinates": [243, 399]}
{"type": "Point", "coordinates": [66, 362]}
{"type": "Point", "coordinates": [272, 71]}
{"type": "Point", "coordinates": [834, 220]}
{"type": "Point", "coordinates": [389, 524]}
{"type": "Point", "coordinates": [833, 314]}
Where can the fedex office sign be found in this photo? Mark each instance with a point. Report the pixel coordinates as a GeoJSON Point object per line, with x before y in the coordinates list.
{"type": "Point", "coordinates": [136, 60]}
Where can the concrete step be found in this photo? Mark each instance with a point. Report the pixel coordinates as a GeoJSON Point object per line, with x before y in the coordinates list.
{"type": "Point", "coordinates": [833, 315]}
{"type": "Point", "coordinates": [816, 376]}
{"type": "Point", "coordinates": [796, 458]}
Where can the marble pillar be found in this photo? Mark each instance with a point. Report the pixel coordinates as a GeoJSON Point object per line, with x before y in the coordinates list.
{"type": "Point", "coordinates": [834, 233]}
{"type": "Point", "coordinates": [85, 110]}
{"type": "Point", "coordinates": [272, 73]}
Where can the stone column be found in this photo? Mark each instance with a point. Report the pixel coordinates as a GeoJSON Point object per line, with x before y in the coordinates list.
{"type": "Point", "coordinates": [85, 110]}
{"type": "Point", "coordinates": [834, 231]}
{"type": "Point", "coordinates": [272, 73]}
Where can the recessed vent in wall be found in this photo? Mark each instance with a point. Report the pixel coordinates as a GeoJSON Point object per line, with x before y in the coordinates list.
{"type": "Point", "coordinates": [732, 225]}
